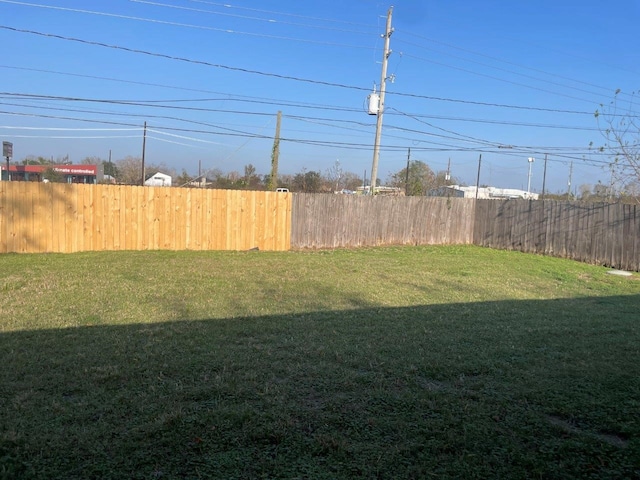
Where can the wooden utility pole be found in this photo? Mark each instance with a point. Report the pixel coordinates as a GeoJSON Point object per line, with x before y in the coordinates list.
{"type": "Point", "coordinates": [383, 89]}
{"type": "Point", "coordinates": [569, 182]}
{"type": "Point", "coordinates": [544, 176]}
{"type": "Point", "coordinates": [406, 177]}
{"type": "Point", "coordinates": [478, 178]}
{"type": "Point", "coordinates": [275, 154]}
{"type": "Point", "coordinates": [144, 147]}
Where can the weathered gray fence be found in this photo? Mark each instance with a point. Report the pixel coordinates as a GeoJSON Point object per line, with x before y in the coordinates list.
{"type": "Point", "coordinates": [602, 234]}
{"type": "Point", "coordinates": [330, 221]}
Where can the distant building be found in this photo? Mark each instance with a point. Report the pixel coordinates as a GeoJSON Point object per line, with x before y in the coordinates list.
{"type": "Point", "coordinates": [158, 180]}
{"type": "Point", "coordinates": [70, 173]}
{"type": "Point", "coordinates": [482, 193]}
{"type": "Point", "coordinates": [380, 190]}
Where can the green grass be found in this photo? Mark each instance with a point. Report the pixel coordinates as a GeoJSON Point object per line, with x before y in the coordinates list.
{"type": "Point", "coordinates": [413, 362]}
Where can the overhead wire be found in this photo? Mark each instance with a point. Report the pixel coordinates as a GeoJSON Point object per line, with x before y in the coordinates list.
{"type": "Point", "coordinates": [244, 17]}
{"type": "Point", "coordinates": [291, 77]}
{"type": "Point", "coordinates": [184, 25]}
{"type": "Point", "coordinates": [287, 14]}
{"type": "Point", "coordinates": [492, 77]}
{"type": "Point", "coordinates": [496, 59]}
{"type": "Point", "coordinates": [300, 79]}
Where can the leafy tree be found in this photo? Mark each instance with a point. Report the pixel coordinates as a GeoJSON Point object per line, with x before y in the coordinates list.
{"type": "Point", "coordinates": [110, 169]}
{"type": "Point", "coordinates": [308, 182]}
{"type": "Point", "coordinates": [183, 179]}
{"type": "Point", "coordinates": [251, 179]}
{"type": "Point", "coordinates": [285, 181]}
{"type": "Point", "coordinates": [421, 179]}
{"type": "Point", "coordinates": [33, 160]}
{"type": "Point", "coordinates": [53, 176]}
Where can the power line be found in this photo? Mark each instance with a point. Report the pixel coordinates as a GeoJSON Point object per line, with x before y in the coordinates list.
{"type": "Point", "coordinates": [499, 79]}
{"type": "Point", "coordinates": [245, 17]}
{"type": "Point", "coordinates": [333, 144]}
{"type": "Point", "coordinates": [182, 59]}
{"type": "Point", "coordinates": [287, 14]}
{"type": "Point", "coordinates": [184, 25]}
{"type": "Point", "coordinates": [290, 77]}
{"type": "Point", "coordinates": [495, 59]}
{"type": "Point", "coordinates": [306, 118]}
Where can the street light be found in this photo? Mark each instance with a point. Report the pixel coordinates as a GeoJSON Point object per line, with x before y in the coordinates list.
{"type": "Point", "coordinates": [531, 160]}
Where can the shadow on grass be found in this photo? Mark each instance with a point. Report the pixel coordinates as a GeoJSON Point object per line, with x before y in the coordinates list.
{"type": "Point", "coordinates": [513, 389]}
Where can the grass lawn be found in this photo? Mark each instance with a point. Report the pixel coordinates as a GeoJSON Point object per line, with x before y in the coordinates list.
{"type": "Point", "coordinates": [412, 362]}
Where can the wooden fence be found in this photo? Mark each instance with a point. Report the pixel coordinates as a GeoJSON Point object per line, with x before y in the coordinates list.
{"type": "Point", "coordinates": [330, 221]}
{"type": "Point", "coordinates": [38, 217]}
{"type": "Point", "coordinates": [602, 234]}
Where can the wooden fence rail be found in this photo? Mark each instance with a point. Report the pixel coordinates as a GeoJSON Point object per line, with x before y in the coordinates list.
{"type": "Point", "coordinates": [38, 217]}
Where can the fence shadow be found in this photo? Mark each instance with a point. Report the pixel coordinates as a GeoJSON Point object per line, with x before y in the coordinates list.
{"type": "Point", "coordinates": [498, 388]}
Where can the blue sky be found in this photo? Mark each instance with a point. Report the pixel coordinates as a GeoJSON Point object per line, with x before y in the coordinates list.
{"type": "Point", "coordinates": [508, 80]}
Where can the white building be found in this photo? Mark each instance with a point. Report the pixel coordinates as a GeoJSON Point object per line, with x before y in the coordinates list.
{"type": "Point", "coordinates": [158, 180]}
{"type": "Point", "coordinates": [482, 192]}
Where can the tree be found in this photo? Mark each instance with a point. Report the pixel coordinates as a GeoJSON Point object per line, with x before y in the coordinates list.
{"type": "Point", "coordinates": [91, 161]}
{"type": "Point", "coordinates": [421, 178]}
{"type": "Point", "coordinates": [308, 182]}
{"type": "Point", "coordinates": [251, 179]}
{"type": "Point", "coordinates": [350, 181]}
{"type": "Point", "coordinates": [334, 177]}
{"type": "Point", "coordinates": [32, 160]}
{"type": "Point", "coordinates": [53, 176]}
{"type": "Point", "coordinates": [620, 128]}
{"type": "Point", "coordinates": [183, 179]}
{"type": "Point", "coordinates": [129, 170]}
{"type": "Point", "coordinates": [110, 169]}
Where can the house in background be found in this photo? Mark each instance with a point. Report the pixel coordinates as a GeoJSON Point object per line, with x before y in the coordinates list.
{"type": "Point", "coordinates": [158, 180]}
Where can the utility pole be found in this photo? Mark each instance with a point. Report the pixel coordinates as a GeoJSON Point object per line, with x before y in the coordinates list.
{"type": "Point", "coordinates": [478, 178]}
{"type": "Point", "coordinates": [406, 179]}
{"type": "Point", "coordinates": [569, 182]}
{"type": "Point", "coordinates": [144, 147]}
{"type": "Point", "coordinates": [544, 176]}
{"type": "Point", "coordinates": [275, 154]}
{"type": "Point", "coordinates": [383, 89]}
{"type": "Point", "coordinates": [611, 182]}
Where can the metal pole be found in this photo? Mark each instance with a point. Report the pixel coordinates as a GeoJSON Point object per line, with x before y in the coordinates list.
{"type": "Point", "coordinates": [383, 89]}
{"type": "Point", "coordinates": [530, 160]}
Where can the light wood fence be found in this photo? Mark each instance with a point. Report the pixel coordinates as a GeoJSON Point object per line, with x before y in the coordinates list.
{"type": "Point", "coordinates": [330, 221]}
{"type": "Point", "coordinates": [601, 234]}
{"type": "Point", "coordinates": [38, 217]}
